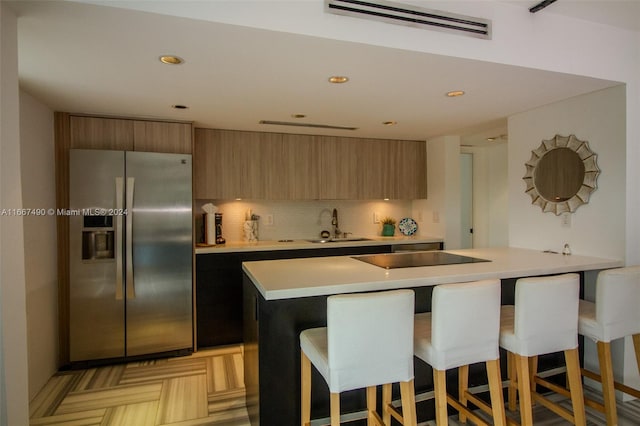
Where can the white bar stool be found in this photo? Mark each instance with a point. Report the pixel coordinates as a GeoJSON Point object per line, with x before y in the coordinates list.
{"type": "Point", "coordinates": [462, 329]}
{"type": "Point", "coordinates": [544, 320]}
{"type": "Point", "coordinates": [368, 341]}
{"type": "Point", "coordinates": [614, 315]}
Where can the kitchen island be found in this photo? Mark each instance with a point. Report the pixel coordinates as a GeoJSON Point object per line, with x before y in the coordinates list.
{"type": "Point", "coordinates": [284, 297]}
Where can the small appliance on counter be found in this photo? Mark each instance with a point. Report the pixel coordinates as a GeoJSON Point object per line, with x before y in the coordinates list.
{"type": "Point", "coordinates": [218, 220]}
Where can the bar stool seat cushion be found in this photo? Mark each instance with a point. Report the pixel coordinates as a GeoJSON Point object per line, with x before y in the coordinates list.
{"type": "Point", "coordinates": [546, 304]}
{"type": "Point", "coordinates": [349, 354]}
{"type": "Point", "coordinates": [314, 343]}
{"type": "Point", "coordinates": [457, 341]}
{"type": "Point", "coordinates": [587, 324]}
{"type": "Point", "coordinates": [616, 312]}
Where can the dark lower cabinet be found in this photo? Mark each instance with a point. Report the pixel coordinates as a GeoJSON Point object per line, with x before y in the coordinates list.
{"type": "Point", "coordinates": [219, 288]}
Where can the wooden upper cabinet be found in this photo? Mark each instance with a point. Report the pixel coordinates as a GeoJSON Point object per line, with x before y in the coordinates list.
{"type": "Point", "coordinates": [274, 166]}
{"type": "Point", "coordinates": [410, 170]}
{"type": "Point", "coordinates": [338, 168]}
{"type": "Point", "coordinates": [129, 135]}
{"type": "Point", "coordinates": [301, 167]}
{"type": "Point", "coordinates": [375, 173]}
{"type": "Point", "coordinates": [160, 136]}
{"type": "Point", "coordinates": [227, 164]}
{"type": "Point", "coordinates": [101, 133]}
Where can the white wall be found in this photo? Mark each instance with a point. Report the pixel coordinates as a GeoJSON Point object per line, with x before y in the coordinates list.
{"type": "Point", "coordinates": [439, 214]}
{"type": "Point", "coordinates": [39, 192]}
{"type": "Point", "coordinates": [14, 401]}
{"type": "Point", "coordinates": [597, 228]}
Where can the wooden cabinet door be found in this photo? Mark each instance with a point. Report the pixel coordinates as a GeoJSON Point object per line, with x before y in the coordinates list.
{"type": "Point", "coordinates": [227, 164]}
{"type": "Point", "coordinates": [411, 170]}
{"type": "Point", "coordinates": [375, 169]}
{"type": "Point", "coordinates": [157, 136]}
{"type": "Point", "coordinates": [302, 167]}
{"type": "Point", "coordinates": [338, 168]}
{"type": "Point", "coordinates": [101, 133]}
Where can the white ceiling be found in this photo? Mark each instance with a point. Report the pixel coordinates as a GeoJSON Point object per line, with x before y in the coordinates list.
{"type": "Point", "coordinates": [95, 59]}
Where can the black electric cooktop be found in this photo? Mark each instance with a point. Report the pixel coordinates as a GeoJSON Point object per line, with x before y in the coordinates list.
{"type": "Point", "coordinates": [418, 258]}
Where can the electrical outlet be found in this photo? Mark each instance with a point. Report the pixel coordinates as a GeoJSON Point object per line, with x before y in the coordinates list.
{"type": "Point", "coordinates": [436, 217]}
{"type": "Point", "coordinates": [268, 220]}
{"type": "Point", "coordinates": [376, 217]}
{"type": "Point", "coordinates": [565, 220]}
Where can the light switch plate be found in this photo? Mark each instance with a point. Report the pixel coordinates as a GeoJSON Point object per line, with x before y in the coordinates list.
{"type": "Point", "coordinates": [376, 217]}
{"type": "Point", "coordinates": [268, 220]}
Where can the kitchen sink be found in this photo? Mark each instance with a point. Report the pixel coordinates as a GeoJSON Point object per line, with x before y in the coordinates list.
{"type": "Point", "coordinates": [338, 240]}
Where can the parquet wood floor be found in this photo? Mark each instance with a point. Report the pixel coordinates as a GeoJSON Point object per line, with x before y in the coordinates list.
{"type": "Point", "coordinates": [206, 388]}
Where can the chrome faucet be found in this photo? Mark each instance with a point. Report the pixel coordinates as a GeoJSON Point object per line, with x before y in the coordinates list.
{"type": "Point", "coordinates": [334, 222]}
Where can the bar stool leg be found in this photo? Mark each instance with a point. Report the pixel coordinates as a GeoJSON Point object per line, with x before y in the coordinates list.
{"type": "Point", "coordinates": [371, 406]}
{"type": "Point", "coordinates": [608, 390]}
{"type": "Point", "coordinates": [533, 370]}
{"type": "Point", "coordinates": [495, 390]}
{"type": "Point", "coordinates": [408, 397]}
{"type": "Point", "coordinates": [575, 386]}
{"type": "Point", "coordinates": [305, 373]}
{"type": "Point", "coordinates": [524, 389]}
{"type": "Point", "coordinates": [513, 381]}
{"type": "Point", "coordinates": [463, 386]}
{"type": "Point", "coordinates": [440, 388]}
{"type": "Point", "coordinates": [386, 400]}
{"type": "Point", "coordinates": [334, 401]}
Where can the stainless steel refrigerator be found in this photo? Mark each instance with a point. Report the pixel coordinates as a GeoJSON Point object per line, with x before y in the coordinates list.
{"type": "Point", "coordinates": [130, 265]}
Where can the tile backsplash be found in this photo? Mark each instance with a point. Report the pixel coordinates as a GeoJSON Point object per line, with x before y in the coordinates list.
{"type": "Point", "coordinates": [302, 219]}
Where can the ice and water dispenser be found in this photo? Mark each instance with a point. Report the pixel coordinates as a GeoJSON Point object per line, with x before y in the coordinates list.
{"type": "Point", "coordinates": [97, 237]}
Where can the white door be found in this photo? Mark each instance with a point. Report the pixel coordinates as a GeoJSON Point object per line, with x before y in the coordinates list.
{"type": "Point", "coordinates": [466, 203]}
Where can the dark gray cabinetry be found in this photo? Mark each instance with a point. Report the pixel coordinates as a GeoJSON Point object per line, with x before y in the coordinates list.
{"type": "Point", "coordinates": [219, 288]}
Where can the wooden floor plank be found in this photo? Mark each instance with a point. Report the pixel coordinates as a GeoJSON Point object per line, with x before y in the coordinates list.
{"type": "Point", "coordinates": [142, 414]}
{"type": "Point", "coordinates": [110, 397]}
{"type": "Point", "coordinates": [183, 398]}
{"type": "Point", "coordinates": [82, 418]}
{"type": "Point", "coordinates": [160, 372]}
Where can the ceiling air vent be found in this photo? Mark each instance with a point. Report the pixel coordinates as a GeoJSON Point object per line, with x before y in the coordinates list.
{"type": "Point", "coordinates": [412, 16]}
{"type": "Point", "coordinates": [315, 126]}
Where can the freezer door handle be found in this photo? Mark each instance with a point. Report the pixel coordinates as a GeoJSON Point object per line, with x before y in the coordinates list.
{"type": "Point", "coordinates": [118, 237]}
{"type": "Point", "coordinates": [131, 294]}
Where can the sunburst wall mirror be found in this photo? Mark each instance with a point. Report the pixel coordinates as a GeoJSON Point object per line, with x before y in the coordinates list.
{"type": "Point", "coordinates": [561, 174]}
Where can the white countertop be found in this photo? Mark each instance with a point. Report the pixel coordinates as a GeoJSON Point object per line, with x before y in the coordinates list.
{"type": "Point", "coordinates": [293, 278]}
{"type": "Point", "coordinates": [240, 246]}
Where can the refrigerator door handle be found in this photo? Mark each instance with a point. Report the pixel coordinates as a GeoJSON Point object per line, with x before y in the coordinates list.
{"type": "Point", "coordinates": [131, 294]}
{"type": "Point", "coordinates": [118, 237]}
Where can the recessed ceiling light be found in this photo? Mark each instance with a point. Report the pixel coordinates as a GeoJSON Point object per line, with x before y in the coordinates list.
{"type": "Point", "coordinates": [495, 138]}
{"type": "Point", "coordinates": [179, 106]}
{"type": "Point", "coordinates": [455, 93]}
{"type": "Point", "coordinates": [171, 60]}
{"type": "Point", "coordinates": [337, 79]}
{"type": "Point", "coordinates": [389, 123]}
{"type": "Point", "coordinates": [298, 115]}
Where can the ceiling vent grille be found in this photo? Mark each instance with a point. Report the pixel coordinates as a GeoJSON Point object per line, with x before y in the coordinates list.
{"type": "Point", "coordinates": [412, 16]}
{"type": "Point", "coordinates": [312, 125]}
